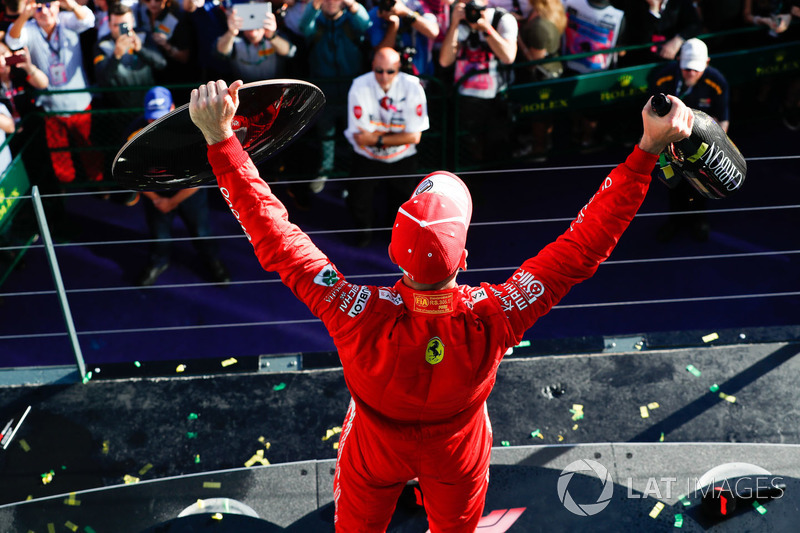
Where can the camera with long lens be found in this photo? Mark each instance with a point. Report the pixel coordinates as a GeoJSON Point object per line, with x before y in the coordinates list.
{"type": "Point", "coordinates": [386, 5]}
{"type": "Point", "coordinates": [472, 11]}
{"type": "Point", "coordinates": [407, 54]}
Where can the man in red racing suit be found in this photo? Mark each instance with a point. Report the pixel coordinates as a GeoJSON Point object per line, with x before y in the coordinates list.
{"type": "Point", "coordinates": [420, 358]}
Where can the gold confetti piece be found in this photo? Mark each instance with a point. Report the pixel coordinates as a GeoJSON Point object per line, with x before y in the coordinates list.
{"type": "Point", "coordinates": [201, 504]}
{"type": "Point", "coordinates": [262, 439]}
{"type": "Point", "coordinates": [70, 525]}
{"type": "Point", "coordinates": [727, 397]}
{"type": "Point", "coordinates": [105, 447]}
{"type": "Point", "coordinates": [331, 432]}
{"type": "Point", "coordinates": [336, 445]}
{"type": "Point", "coordinates": [30, 497]}
{"type": "Point", "coordinates": [661, 438]}
{"type": "Point", "coordinates": [578, 407]}
{"type": "Point", "coordinates": [217, 516]}
{"type": "Point", "coordinates": [71, 500]}
{"type": "Point", "coordinates": [51, 528]}
{"type": "Point", "coordinates": [229, 362]}
{"type": "Point", "coordinates": [643, 411]}
{"type": "Point", "coordinates": [257, 458]}
{"type": "Point", "coordinates": [574, 427]}
{"type": "Point", "coordinates": [130, 479]}
{"type": "Point", "coordinates": [656, 510]}
{"type": "Point", "coordinates": [212, 485]}
{"type": "Point", "coordinates": [24, 445]}
{"type": "Point", "coordinates": [653, 405]}
{"type": "Point", "coordinates": [710, 337]}
{"type": "Point", "coordinates": [180, 368]}
{"type": "Point", "coordinates": [560, 438]}
{"type": "Point", "coordinates": [146, 468]}
{"type": "Point", "coordinates": [47, 477]}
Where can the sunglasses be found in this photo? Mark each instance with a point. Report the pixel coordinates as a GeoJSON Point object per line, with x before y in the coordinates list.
{"type": "Point", "coordinates": [41, 6]}
{"type": "Point", "coordinates": [381, 71]}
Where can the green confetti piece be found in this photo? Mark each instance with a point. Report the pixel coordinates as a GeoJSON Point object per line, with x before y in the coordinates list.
{"type": "Point", "coordinates": [279, 386]}
{"type": "Point", "coordinates": [695, 372]}
{"type": "Point", "coordinates": [191, 435]}
{"type": "Point", "coordinates": [678, 520]}
{"type": "Point", "coordinates": [197, 459]}
{"type": "Point", "coordinates": [192, 416]}
{"type": "Point", "coordinates": [87, 377]}
{"type": "Point", "coordinates": [661, 438]}
{"type": "Point", "coordinates": [684, 501]}
{"type": "Point", "coordinates": [505, 443]}
{"type": "Point", "coordinates": [523, 344]}
{"type": "Point", "coordinates": [536, 433]}
{"type": "Point", "coordinates": [137, 364]}
{"type": "Point", "coordinates": [760, 508]}
{"type": "Point", "coordinates": [714, 388]}
{"type": "Point", "coordinates": [88, 529]}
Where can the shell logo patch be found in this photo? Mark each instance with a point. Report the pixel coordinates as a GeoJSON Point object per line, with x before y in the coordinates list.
{"type": "Point", "coordinates": [434, 353]}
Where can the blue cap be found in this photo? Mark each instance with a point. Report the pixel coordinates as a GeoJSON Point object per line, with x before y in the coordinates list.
{"type": "Point", "coordinates": [157, 102]}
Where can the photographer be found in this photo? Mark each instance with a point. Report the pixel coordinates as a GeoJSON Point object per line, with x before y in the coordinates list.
{"type": "Point", "coordinates": [479, 38]}
{"type": "Point", "coordinates": [409, 29]}
{"type": "Point", "coordinates": [254, 54]}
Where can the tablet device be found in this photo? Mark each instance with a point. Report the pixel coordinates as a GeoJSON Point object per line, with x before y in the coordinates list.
{"type": "Point", "coordinates": [253, 14]}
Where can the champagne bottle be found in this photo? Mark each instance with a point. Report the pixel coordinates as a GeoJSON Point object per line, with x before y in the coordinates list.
{"type": "Point", "coordinates": [707, 159]}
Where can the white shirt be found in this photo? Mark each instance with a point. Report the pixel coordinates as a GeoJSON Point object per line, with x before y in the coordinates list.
{"type": "Point", "coordinates": [403, 108]}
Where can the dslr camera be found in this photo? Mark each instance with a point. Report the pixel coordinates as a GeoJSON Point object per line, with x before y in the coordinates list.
{"type": "Point", "coordinates": [472, 11]}
{"type": "Point", "coordinates": [386, 5]}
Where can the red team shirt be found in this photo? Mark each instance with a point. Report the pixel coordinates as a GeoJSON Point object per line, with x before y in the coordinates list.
{"type": "Point", "coordinates": [420, 364]}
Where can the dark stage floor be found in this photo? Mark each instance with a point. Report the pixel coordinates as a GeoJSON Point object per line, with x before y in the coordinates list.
{"type": "Point", "coordinates": [190, 429]}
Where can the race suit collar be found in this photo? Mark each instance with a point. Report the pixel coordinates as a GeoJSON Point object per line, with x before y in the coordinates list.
{"type": "Point", "coordinates": [431, 303]}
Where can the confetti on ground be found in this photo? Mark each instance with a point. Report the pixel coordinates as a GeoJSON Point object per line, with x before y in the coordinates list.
{"type": "Point", "coordinates": [88, 529]}
{"type": "Point", "coordinates": [678, 520]}
{"type": "Point", "coordinates": [331, 432]}
{"type": "Point", "coordinates": [643, 411]}
{"type": "Point", "coordinates": [710, 337]}
{"type": "Point", "coordinates": [336, 445]}
{"type": "Point", "coordinates": [212, 485]}
{"type": "Point", "coordinates": [661, 438]}
{"type": "Point", "coordinates": [560, 438]}
{"type": "Point", "coordinates": [656, 510]}
{"type": "Point", "coordinates": [682, 498]}
{"type": "Point", "coordinates": [760, 508]}
{"type": "Point", "coordinates": [714, 388]}
{"type": "Point", "coordinates": [24, 445]}
{"type": "Point", "coordinates": [137, 364]}
{"type": "Point", "coordinates": [279, 386]}
{"type": "Point", "coordinates": [537, 433]}
{"type": "Point", "coordinates": [693, 369]}
{"type": "Point", "coordinates": [180, 368]}
{"type": "Point", "coordinates": [505, 443]}
{"type": "Point", "coordinates": [47, 477]}
{"type": "Point", "coordinates": [653, 405]}
{"type": "Point", "coordinates": [86, 379]}
{"type": "Point", "coordinates": [257, 458]}
{"type": "Point", "coordinates": [105, 447]}
{"type": "Point", "coordinates": [574, 427]}
{"type": "Point", "coordinates": [197, 459]}
{"type": "Point", "coordinates": [577, 411]}
{"type": "Point", "coordinates": [130, 479]}
{"type": "Point", "coordinates": [191, 434]}
{"type": "Point", "coordinates": [727, 397]}
{"type": "Point", "coordinates": [51, 528]}
{"type": "Point", "coordinates": [217, 516]}
{"type": "Point", "coordinates": [229, 362]}
{"type": "Point", "coordinates": [145, 469]}
{"type": "Point", "coordinates": [71, 500]}
{"type": "Point", "coordinates": [523, 344]}
{"type": "Point", "coordinates": [192, 416]}
{"type": "Point", "coordinates": [70, 525]}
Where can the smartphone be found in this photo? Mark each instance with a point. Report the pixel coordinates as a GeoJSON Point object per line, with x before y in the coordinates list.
{"type": "Point", "coordinates": [124, 29]}
{"type": "Point", "coordinates": [15, 59]}
{"type": "Point", "coordinates": [253, 14]}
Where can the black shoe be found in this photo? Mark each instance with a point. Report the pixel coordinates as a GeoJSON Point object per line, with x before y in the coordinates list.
{"type": "Point", "coordinates": [150, 275]}
{"type": "Point", "coordinates": [217, 272]}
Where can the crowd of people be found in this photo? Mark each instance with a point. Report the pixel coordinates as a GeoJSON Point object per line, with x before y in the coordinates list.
{"type": "Point", "coordinates": [96, 49]}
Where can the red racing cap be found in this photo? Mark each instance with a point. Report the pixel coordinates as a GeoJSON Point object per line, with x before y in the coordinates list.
{"type": "Point", "coordinates": [430, 231]}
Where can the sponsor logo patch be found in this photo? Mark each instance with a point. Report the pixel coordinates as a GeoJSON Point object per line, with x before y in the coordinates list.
{"type": "Point", "coordinates": [357, 111]}
{"type": "Point", "coordinates": [327, 277]}
{"type": "Point", "coordinates": [419, 110]}
{"type": "Point", "coordinates": [479, 295]}
{"type": "Point", "coordinates": [433, 304]}
{"type": "Point", "coordinates": [361, 302]}
{"type": "Point", "coordinates": [434, 352]}
{"type": "Point", "coordinates": [386, 294]}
